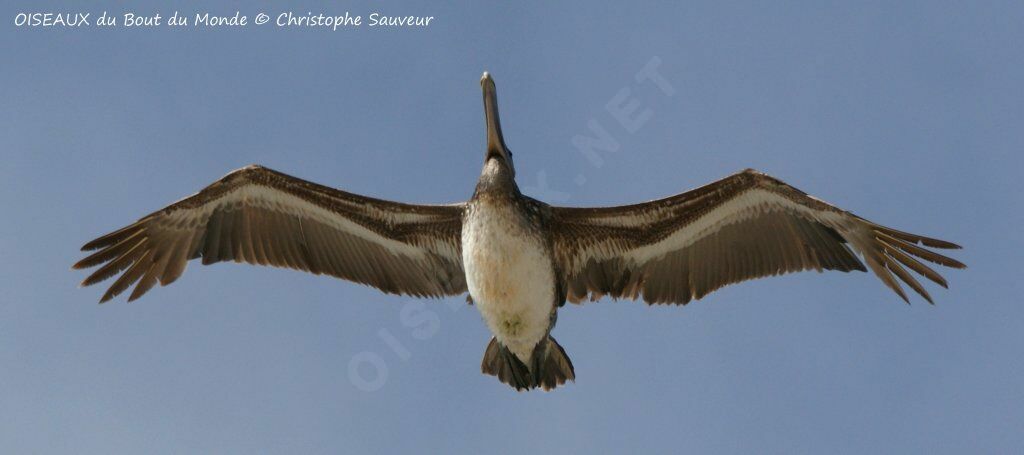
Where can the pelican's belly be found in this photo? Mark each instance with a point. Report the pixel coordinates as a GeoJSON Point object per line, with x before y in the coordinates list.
{"type": "Point", "coordinates": [510, 277]}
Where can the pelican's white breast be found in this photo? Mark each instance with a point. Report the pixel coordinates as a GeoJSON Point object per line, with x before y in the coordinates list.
{"type": "Point", "coordinates": [510, 275]}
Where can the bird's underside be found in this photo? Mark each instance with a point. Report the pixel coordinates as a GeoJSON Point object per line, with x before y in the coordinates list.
{"type": "Point", "coordinates": [672, 250]}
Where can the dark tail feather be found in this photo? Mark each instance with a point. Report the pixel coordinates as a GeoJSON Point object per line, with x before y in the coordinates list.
{"type": "Point", "coordinates": [549, 368]}
{"type": "Point", "coordinates": [499, 361]}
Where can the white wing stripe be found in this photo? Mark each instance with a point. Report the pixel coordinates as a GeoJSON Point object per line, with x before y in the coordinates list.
{"type": "Point", "coordinates": [745, 205]}
{"type": "Point", "coordinates": [268, 198]}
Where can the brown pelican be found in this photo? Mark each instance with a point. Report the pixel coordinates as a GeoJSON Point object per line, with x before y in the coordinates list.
{"type": "Point", "coordinates": [520, 259]}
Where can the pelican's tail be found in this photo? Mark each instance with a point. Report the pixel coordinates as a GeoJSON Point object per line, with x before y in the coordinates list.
{"type": "Point", "coordinates": [549, 367]}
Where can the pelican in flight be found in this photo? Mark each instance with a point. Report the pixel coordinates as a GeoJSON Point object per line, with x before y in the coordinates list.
{"type": "Point", "coordinates": [519, 259]}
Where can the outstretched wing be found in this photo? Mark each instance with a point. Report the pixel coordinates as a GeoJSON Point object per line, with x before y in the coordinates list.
{"type": "Point", "coordinates": [260, 216]}
{"type": "Point", "coordinates": [745, 226]}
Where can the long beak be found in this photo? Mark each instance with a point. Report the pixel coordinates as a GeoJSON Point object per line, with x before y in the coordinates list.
{"type": "Point", "coordinates": [495, 141]}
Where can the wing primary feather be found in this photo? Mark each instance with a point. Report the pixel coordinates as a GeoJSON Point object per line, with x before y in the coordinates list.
{"type": "Point", "coordinates": [178, 260]}
{"type": "Point", "coordinates": [914, 264]}
{"type": "Point", "coordinates": [909, 279]}
{"type": "Point", "coordinates": [921, 252]}
{"type": "Point", "coordinates": [914, 238]}
{"type": "Point", "coordinates": [147, 281]}
{"type": "Point", "coordinates": [876, 263]}
{"type": "Point", "coordinates": [108, 253]}
{"type": "Point", "coordinates": [113, 267]}
{"type": "Point", "coordinates": [128, 278]}
{"type": "Point", "coordinates": [113, 237]}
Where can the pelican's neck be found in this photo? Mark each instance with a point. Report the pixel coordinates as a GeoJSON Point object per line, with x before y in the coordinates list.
{"type": "Point", "coordinates": [496, 178]}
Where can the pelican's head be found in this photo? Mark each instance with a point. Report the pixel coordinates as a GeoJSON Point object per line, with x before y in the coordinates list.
{"type": "Point", "coordinates": [496, 148]}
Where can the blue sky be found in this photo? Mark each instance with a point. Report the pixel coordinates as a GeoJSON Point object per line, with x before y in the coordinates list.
{"type": "Point", "coordinates": [909, 115]}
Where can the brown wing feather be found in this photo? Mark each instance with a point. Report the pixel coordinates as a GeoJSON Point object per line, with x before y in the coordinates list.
{"type": "Point", "coordinates": [259, 216]}
{"type": "Point", "coordinates": [746, 226]}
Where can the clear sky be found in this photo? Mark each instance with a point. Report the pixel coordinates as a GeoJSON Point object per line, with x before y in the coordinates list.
{"type": "Point", "coordinates": [909, 115]}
